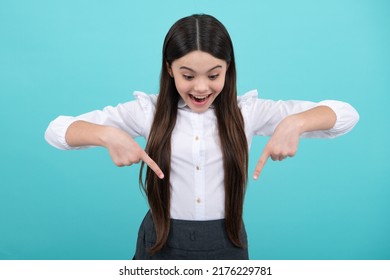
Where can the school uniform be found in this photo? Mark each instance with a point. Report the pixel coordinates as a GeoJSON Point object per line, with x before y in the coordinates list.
{"type": "Point", "coordinates": [197, 174]}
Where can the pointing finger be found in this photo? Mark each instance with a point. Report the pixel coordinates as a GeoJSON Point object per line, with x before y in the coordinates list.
{"type": "Point", "coordinates": [145, 158]}
{"type": "Point", "coordinates": [260, 164]}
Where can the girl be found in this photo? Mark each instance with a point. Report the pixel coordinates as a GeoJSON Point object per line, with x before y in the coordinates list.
{"type": "Point", "coordinates": [198, 133]}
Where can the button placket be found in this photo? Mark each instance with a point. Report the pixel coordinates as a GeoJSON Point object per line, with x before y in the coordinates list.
{"type": "Point", "coordinates": [198, 160]}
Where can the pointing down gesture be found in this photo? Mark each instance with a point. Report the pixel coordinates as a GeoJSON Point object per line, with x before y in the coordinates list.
{"type": "Point", "coordinates": [283, 143]}
{"type": "Point", "coordinates": [121, 146]}
{"type": "Point", "coordinates": [285, 139]}
{"type": "Point", "coordinates": [125, 151]}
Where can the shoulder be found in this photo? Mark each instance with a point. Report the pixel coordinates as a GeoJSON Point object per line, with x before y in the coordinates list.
{"type": "Point", "coordinates": [146, 100]}
{"type": "Point", "coordinates": [247, 98]}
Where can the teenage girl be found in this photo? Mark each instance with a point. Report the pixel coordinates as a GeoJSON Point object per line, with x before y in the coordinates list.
{"type": "Point", "coordinates": [198, 134]}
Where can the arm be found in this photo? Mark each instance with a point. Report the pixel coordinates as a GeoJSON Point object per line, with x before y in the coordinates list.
{"type": "Point", "coordinates": [133, 117]}
{"type": "Point", "coordinates": [285, 139]}
{"type": "Point", "coordinates": [120, 145]}
{"type": "Point", "coordinates": [317, 118]}
{"type": "Point", "coordinates": [287, 121]}
{"type": "Point", "coordinates": [113, 128]}
{"type": "Point", "coordinates": [263, 115]}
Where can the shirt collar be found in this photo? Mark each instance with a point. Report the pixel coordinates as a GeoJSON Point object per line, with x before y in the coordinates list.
{"type": "Point", "coordinates": [181, 104]}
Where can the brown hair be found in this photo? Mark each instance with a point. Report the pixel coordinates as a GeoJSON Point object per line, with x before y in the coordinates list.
{"type": "Point", "coordinates": [207, 34]}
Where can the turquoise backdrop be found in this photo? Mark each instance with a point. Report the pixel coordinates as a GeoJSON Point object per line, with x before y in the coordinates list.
{"type": "Point", "coordinates": [331, 201]}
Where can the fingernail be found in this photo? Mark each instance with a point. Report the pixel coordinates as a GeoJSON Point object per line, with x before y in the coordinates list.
{"type": "Point", "coordinates": [255, 177]}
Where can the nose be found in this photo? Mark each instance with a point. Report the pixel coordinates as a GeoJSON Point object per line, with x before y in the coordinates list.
{"type": "Point", "coordinates": [201, 85]}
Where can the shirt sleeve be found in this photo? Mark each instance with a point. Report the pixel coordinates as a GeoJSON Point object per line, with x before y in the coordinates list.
{"type": "Point", "coordinates": [263, 115]}
{"type": "Point", "coordinates": [134, 117]}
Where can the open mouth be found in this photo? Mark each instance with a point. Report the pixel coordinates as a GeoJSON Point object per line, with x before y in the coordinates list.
{"type": "Point", "coordinates": [200, 99]}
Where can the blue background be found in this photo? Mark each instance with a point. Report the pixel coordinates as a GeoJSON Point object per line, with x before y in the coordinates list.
{"type": "Point", "coordinates": [331, 201]}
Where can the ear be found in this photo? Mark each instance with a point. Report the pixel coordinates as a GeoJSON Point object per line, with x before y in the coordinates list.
{"type": "Point", "coordinates": [169, 69]}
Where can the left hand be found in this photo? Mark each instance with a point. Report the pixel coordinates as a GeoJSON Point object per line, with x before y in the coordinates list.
{"type": "Point", "coordinates": [283, 143]}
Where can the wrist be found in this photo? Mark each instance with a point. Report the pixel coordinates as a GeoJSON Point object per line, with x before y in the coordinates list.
{"type": "Point", "coordinates": [297, 122]}
{"type": "Point", "coordinates": [104, 135]}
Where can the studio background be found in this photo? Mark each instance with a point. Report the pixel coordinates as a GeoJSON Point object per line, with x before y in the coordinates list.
{"type": "Point", "coordinates": [331, 201]}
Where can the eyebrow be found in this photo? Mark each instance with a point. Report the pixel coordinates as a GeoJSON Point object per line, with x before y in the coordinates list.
{"type": "Point", "coordinates": [192, 70]}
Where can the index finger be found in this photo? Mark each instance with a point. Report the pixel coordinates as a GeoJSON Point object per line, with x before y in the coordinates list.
{"type": "Point", "coordinates": [260, 164]}
{"type": "Point", "coordinates": [145, 158]}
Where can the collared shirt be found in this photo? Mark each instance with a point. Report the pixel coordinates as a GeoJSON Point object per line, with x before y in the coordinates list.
{"type": "Point", "coordinates": [197, 175]}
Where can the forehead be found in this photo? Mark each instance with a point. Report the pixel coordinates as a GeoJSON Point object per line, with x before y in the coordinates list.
{"type": "Point", "coordinates": [198, 61]}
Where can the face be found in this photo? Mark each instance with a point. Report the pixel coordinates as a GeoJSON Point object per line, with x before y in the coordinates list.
{"type": "Point", "coordinates": [199, 78]}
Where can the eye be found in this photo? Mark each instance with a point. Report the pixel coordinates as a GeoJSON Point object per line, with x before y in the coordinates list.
{"type": "Point", "coordinates": [213, 77]}
{"type": "Point", "coordinates": [188, 77]}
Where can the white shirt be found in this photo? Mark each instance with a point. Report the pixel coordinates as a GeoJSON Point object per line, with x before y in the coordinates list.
{"type": "Point", "coordinates": [197, 175]}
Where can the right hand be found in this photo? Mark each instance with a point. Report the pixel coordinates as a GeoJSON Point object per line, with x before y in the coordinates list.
{"type": "Point", "coordinates": [124, 151]}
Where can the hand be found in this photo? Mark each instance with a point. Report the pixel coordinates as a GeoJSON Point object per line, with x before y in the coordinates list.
{"type": "Point", "coordinates": [283, 143]}
{"type": "Point", "coordinates": [124, 151]}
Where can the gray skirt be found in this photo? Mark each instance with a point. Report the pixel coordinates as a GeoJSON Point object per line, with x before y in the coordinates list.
{"type": "Point", "coordinates": [190, 240]}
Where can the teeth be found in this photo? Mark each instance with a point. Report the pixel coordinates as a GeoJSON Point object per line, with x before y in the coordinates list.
{"type": "Point", "coordinates": [201, 97]}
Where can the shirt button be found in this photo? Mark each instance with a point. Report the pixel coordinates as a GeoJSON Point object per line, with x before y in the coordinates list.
{"type": "Point", "coordinates": [196, 138]}
{"type": "Point", "coordinates": [197, 167]}
{"type": "Point", "coordinates": [198, 200]}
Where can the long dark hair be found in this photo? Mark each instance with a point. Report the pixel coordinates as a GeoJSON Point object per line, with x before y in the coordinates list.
{"type": "Point", "coordinates": [204, 33]}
